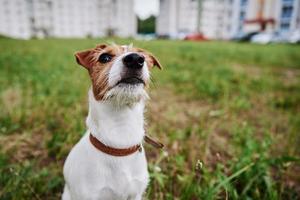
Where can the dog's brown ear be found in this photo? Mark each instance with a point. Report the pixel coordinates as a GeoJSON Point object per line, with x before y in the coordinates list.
{"type": "Point", "coordinates": [155, 61]}
{"type": "Point", "coordinates": [101, 46]}
{"type": "Point", "coordinates": [84, 58]}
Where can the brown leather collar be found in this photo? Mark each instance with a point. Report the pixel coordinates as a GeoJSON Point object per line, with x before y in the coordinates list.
{"type": "Point", "coordinates": [153, 142]}
{"type": "Point", "coordinates": [122, 152]}
{"type": "Point", "coordinates": [114, 151]}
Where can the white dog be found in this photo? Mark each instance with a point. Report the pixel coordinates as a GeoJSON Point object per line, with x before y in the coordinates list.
{"type": "Point", "coordinates": [109, 161]}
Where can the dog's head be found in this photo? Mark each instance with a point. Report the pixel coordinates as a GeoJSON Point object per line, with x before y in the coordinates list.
{"type": "Point", "coordinates": [118, 73]}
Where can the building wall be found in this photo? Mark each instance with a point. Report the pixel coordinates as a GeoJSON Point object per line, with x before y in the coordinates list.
{"type": "Point", "coordinates": [166, 24]}
{"type": "Point", "coordinates": [297, 16]}
{"type": "Point", "coordinates": [288, 18]}
{"type": "Point", "coordinates": [166, 20]}
{"type": "Point", "coordinates": [284, 12]}
{"type": "Point", "coordinates": [177, 16]}
{"type": "Point", "coordinates": [14, 20]}
{"type": "Point", "coordinates": [224, 19]}
{"type": "Point", "coordinates": [73, 18]}
{"type": "Point", "coordinates": [187, 16]}
{"type": "Point", "coordinates": [219, 19]}
{"type": "Point", "coordinates": [40, 17]}
{"type": "Point", "coordinates": [216, 18]}
{"type": "Point", "coordinates": [94, 18]}
{"type": "Point", "coordinates": [273, 9]}
{"type": "Point", "coordinates": [67, 18]}
{"type": "Point", "coordinates": [239, 12]}
{"type": "Point", "coordinates": [209, 18]}
{"type": "Point", "coordinates": [119, 14]}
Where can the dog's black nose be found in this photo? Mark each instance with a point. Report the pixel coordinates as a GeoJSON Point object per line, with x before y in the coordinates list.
{"type": "Point", "coordinates": [134, 61]}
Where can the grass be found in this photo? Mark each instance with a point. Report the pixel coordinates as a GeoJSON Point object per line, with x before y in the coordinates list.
{"type": "Point", "coordinates": [228, 114]}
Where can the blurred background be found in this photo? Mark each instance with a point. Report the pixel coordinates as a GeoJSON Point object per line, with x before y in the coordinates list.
{"type": "Point", "coordinates": [261, 21]}
{"type": "Point", "coordinates": [226, 105]}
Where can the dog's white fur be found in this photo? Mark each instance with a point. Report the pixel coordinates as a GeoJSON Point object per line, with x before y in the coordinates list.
{"type": "Point", "coordinates": [117, 121]}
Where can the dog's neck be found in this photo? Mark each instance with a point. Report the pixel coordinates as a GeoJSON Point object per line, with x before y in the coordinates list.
{"type": "Point", "coordinates": [120, 127]}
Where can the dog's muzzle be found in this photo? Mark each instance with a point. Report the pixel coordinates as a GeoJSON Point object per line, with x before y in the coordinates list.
{"type": "Point", "coordinates": [134, 61]}
{"type": "Point", "coordinates": [133, 64]}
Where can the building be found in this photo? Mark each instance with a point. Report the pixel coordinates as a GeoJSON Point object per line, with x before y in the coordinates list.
{"type": "Point", "coordinates": [213, 18]}
{"type": "Point", "coordinates": [281, 16]}
{"type": "Point", "coordinates": [288, 15]}
{"type": "Point", "coordinates": [216, 18]}
{"type": "Point", "coordinates": [177, 17]}
{"type": "Point", "coordinates": [14, 19]}
{"type": "Point", "coordinates": [67, 18]}
{"type": "Point", "coordinates": [261, 15]}
{"type": "Point", "coordinates": [224, 19]}
{"type": "Point", "coordinates": [39, 14]}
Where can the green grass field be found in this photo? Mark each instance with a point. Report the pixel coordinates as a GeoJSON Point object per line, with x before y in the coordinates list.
{"type": "Point", "coordinates": [228, 113]}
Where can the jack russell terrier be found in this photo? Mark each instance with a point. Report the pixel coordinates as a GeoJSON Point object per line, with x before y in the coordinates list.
{"type": "Point", "coordinates": [109, 162]}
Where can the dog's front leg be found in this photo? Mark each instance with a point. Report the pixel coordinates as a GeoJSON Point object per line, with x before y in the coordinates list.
{"type": "Point", "coordinates": [66, 194]}
{"type": "Point", "coordinates": [136, 197]}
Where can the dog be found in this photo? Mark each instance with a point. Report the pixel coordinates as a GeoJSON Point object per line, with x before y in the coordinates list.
{"type": "Point", "coordinates": [109, 162]}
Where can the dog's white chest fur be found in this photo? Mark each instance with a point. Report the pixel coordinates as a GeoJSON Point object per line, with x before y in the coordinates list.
{"type": "Point", "coordinates": [92, 174]}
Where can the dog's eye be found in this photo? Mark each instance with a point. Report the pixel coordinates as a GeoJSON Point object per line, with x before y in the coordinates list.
{"type": "Point", "coordinates": [105, 57]}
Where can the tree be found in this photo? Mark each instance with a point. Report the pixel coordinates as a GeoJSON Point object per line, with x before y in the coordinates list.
{"type": "Point", "coordinates": [146, 25]}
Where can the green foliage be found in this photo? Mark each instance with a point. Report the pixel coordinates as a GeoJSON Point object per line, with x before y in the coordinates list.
{"type": "Point", "coordinates": [146, 25]}
{"type": "Point", "coordinates": [24, 181]}
{"type": "Point", "coordinates": [227, 112]}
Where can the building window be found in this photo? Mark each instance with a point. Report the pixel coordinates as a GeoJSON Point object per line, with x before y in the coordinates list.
{"type": "Point", "coordinates": [240, 27]}
{"type": "Point", "coordinates": [285, 26]}
{"type": "Point", "coordinates": [242, 16]}
{"type": "Point", "coordinates": [288, 1]}
{"type": "Point", "coordinates": [287, 12]}
{"type": "Point", "coordinates": [244, 2]}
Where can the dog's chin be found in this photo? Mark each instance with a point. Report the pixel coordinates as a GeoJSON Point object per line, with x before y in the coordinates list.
{"type": "Point", "coordinates": [126, 94]}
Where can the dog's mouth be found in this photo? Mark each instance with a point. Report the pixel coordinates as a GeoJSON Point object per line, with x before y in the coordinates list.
{"type": "Point", "coordinates": [131, 81]}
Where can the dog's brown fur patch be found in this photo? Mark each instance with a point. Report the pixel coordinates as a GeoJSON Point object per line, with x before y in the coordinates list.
{"type": "Point", "coordinates": [99, 72]}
